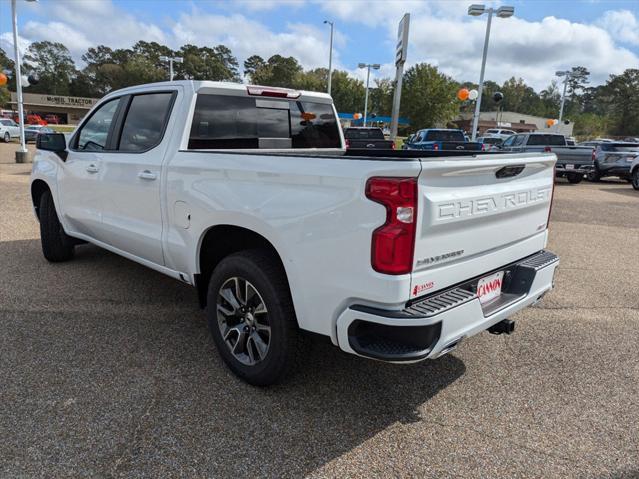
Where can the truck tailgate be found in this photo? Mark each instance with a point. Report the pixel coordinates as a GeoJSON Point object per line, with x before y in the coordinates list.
{"type": "Point", "coordinates": [472, 208]}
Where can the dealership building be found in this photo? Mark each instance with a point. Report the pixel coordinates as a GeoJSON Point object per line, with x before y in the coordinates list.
{"type": "Point", "coordinates": [63, 109]}
{"type": "Point", "coordinates": [519, 122]}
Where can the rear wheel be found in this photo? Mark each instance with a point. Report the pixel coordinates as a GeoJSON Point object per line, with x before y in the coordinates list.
{"type": "Point", "coordinates": [635, 178]}
{"type": "Point", "coordinates": [251, 317]}
{"type": "Point", "coordinates": [574, 177]}
{"type": "Point", "coordinates": [7, 137]}
{"type": "Point", "coordinates": [57, 246]}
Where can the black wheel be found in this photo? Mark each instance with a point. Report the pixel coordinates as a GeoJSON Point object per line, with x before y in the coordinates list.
{"type": "Point", "coordinates": [7, 137]}
{"type": "Point", "coordinates": [57, 246]}
{"type": "Point", "coordinates": [251, 317]}
{"type": "Point", "coordinates": [574, 178]}
{"type": "Point", "coordinates": [635, 178]}
{"type": "Point", "coordinates": [594, 175]}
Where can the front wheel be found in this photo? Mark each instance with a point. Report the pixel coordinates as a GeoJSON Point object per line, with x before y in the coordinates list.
{"type": "Point", "coordinates": [251, 317]}
{"type": "Point", "coordinates": [635, 178]}
{"type": "Point", "coordinates": [574, 178]}
{"type": "Point", "coordinates": [7, 137]}
{"type": "Point", "coordinates": [57, 246]}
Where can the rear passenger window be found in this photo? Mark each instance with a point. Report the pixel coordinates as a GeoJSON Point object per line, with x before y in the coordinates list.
{"type": "Point", "coordinates": [237, 122]}
{"type": "Point", "coordinates": [145, 121]}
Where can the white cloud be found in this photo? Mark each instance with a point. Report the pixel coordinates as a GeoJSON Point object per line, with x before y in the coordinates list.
{"type": "Point", "coordinates": [622, 25]}
{"type": "Point", "coordinates": [441, 33]}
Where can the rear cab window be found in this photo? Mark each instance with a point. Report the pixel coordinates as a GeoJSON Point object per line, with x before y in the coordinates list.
{"type": "Point", "coordinates": [553, 140]}
{"type": "Point", "coordinates": [245, 122]}
{"type": "Point", "coordinates": [363, 134]}
{"type": "Point", "coordinates": [444, 135]}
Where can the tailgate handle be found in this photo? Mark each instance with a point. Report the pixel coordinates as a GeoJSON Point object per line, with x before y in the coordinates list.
{"type": "Point", "coordinates": [509, 171]}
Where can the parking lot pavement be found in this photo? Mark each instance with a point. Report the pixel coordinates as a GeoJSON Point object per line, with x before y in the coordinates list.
{"type": "Point", "coordinates": [107, 369]}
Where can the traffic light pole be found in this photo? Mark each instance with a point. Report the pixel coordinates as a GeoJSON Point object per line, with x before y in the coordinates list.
{"type": "Point", "coordinates": [21, 154]}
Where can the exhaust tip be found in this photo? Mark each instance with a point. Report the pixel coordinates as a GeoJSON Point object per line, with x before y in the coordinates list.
{"type": "Point", "coordinates": [505, 326]}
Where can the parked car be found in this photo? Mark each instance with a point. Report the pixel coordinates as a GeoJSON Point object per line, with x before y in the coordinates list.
{"type": "Point", "coordinates": [31, 132]}
{"type": "Point", "coordinates": [634, 173]}
{"type": "Point", "coordinates": [439, 139]}
{"type": "Point", "coordinates": [52, 119]}
{"type": "Point", "coordinates": [8, 129]}
{"type": "Point", "coordinates": [499, 132]}
{"type": "Point", "coordinates": [367, 137]}
{"type": "Point", "coordinates": [248, 194]}
{"type": "Point", "coordinates": [490, 143]}
{"type": "Point", "coordinates": [613, 159]}
{"type": "Point", "coordinates": [573, 162]}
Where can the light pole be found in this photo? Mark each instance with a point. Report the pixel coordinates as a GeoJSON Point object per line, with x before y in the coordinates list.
{"type": "Point", "coordinates": [21, 154]}
{"type": "Point", "coordinates": [368, 66]}
{"type": "Point", "coordinates": [164, 58]}
{"type": "Point", "coordinates": [567, 74]}
{"type": "Point", "coordinates": [475, 11]}
{"type": "Point", "coordinates": [330, 57]}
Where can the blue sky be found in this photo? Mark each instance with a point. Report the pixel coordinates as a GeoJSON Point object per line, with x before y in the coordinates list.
{"type": "Point", "coordinates": [542, 37]}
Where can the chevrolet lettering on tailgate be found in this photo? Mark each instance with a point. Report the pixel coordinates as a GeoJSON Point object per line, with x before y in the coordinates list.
{"type": "Point", "coordinates": [452, 210]}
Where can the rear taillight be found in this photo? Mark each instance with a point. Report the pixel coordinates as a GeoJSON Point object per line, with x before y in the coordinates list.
{"type": "Point", "coordinates": [393, 145]}
{"type": "Point", "coordinates": [436, 146]}
{"type": "Point", "coordinates": [394, 242]}
{"type": "Point", "coordinates": [547, 149]}
{"type": "Point", "coordinates": [483, 147]}
{"type": "Point", "coordinates": [347, 142]}
{"type": "Point", "coordinates": [594, 155]}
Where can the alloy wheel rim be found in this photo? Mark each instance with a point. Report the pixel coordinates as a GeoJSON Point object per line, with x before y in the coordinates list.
{"type": "Point", "coordinates": [243, 321]}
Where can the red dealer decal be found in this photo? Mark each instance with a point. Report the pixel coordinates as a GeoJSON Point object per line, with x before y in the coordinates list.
{"type": "Point", "coordinates": [420, 288]}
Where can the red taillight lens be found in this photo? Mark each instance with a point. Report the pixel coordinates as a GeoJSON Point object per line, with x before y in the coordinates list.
{"type": "Point", "coordinates": [594, 155]}
{"type": "Point", "coordinates": [436, 146]}
{"type": "Point", "coordinates": [347, 142]}
{"type": "Point", "coordinates": [393, 243]}
{"type": "Point", "coordinates": [547, 149]}
{"type": "Point", "coordinates": [393, 147]}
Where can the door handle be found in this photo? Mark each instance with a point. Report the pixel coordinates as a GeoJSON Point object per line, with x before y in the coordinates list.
{"type": "Point", "coordinates": [147, 175]}
{"type": "Point", "coordinates": [92, 168]}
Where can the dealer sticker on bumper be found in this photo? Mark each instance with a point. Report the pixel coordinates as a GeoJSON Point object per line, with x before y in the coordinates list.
{"type": "Point", "coordinates": [489, 287]}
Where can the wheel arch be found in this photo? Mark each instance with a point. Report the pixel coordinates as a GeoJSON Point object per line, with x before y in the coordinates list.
{"type": "Point", "coordinates": [38, 188]}
{"type": "Point", "coordinates": [219, 241]}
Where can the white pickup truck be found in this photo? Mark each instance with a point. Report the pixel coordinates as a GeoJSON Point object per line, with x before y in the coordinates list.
{"type": "Point", "coordinates": [248, 194]}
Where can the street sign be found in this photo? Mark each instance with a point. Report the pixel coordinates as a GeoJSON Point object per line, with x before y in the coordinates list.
{"type": "Point", "coordinates": [402, 40]}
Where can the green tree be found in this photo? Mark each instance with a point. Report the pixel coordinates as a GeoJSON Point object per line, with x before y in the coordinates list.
{"type": "Point", "coordinates": [52, 62]}
{"type": "Point", "coordinates": [252, 64]}
{"type": "Point", "coordinates": [206, 63]}
{"type": "Point", "coordinates": [428, 96]}
{"type": "Point", "coordinates": [623, 108]}
{"type": "Point", "coordinates": [277, 71]}
{"type": "Point", "coordinates": [347, 92]}
{"type": "Point", "coordinates": [381, 96]}
{"type": "Point", "coordinates": [6, 64]}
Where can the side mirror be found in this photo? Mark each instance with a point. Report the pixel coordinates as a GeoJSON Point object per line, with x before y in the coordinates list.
{"type": "Point", "coordinates": [55, 142]}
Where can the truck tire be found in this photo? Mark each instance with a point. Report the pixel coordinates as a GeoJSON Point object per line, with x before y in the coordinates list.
{"type": "Point", "coordinates": [574, 178]}
{"type": "Point", "coordinates": [251, 317]}
{"type": "Point", "coordinates": [57, 246]}
{"type": "Point", "coordinates": [7, 137]}
{"type": "Point", "coordinates": [594, 175]}
{"type": "Point", "coordinates": [635, 178]}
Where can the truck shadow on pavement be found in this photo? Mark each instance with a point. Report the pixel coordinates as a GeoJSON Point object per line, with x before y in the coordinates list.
{"type": "Point", "coordinates": [110, 371]}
